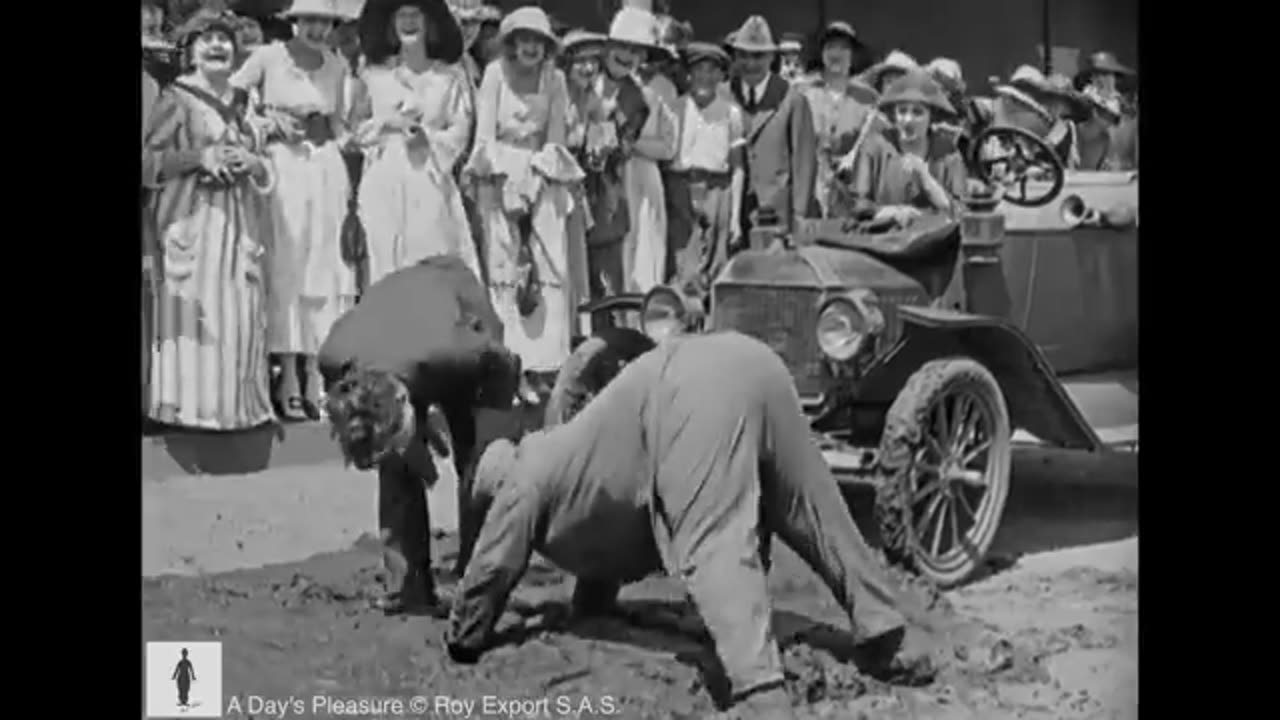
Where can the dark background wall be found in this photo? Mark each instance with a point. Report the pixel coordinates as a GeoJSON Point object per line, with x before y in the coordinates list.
{"type": "Point", "coordinates": [988, 37]}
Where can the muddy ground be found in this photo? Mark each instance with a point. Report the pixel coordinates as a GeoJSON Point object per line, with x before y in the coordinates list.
{"type": "Point", "coordinates": [1051, 632]}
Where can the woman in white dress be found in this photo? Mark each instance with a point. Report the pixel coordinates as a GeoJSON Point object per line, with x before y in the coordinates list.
{"type": "Point", "coordinates": [645, 248]}
{"type": "Point", "coordinates": [524, 175]}
{"type": "Point", "coordinates": [299, 85]}
{"type": "Point", "coordinates": [417, 119]}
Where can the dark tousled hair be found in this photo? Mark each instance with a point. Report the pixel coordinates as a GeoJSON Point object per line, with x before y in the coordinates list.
{"type": "Point", "coordinates": [366, 412]}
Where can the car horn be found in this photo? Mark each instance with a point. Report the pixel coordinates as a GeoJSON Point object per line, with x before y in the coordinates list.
{"type": "Point", "coordinates": [1075, 213]}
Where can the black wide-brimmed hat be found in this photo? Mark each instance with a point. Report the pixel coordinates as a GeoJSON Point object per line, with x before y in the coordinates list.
{"type": "Point", "coordinates": [444, 41]}
{"type": "Point", "coordinates": [841, 29]}
{"type": "Point", "coordinates": [1100, 62]}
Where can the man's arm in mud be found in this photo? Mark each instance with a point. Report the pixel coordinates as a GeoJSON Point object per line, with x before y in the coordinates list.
{"type": "Point", "coordinates": [501, 557]}
{"type": "Point", "coordinates": [191, 668]}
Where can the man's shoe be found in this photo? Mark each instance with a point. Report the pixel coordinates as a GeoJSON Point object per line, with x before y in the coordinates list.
{"type": "Point", "coordinates": [902, 656]}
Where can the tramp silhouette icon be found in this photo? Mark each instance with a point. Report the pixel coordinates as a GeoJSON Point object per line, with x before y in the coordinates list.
{"type": "Point", "coordinates": [185, 674]}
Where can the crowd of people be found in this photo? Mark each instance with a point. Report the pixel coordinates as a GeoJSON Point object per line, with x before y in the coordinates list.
{"type": "Point", "coordinates": [290, 164]}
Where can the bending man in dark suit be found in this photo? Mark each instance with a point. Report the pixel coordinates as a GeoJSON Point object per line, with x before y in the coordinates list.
{"type": "Point", "coordinates": [422, 336]}
{"type": "Point", "coordinates": [782, 148]}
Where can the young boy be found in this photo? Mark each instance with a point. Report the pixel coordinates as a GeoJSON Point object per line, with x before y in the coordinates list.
{"type": "Point", "coordinates": [709, 160]}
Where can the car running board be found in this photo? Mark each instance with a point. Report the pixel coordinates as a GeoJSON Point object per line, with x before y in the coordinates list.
{"type": "Point", "coordinates": [1120, 437]}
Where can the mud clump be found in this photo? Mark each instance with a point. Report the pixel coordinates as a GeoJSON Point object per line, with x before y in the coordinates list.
{"type": "Point", "coordinates": [353, 593]}
{"type": "Point", "coordinates": [814, 675]}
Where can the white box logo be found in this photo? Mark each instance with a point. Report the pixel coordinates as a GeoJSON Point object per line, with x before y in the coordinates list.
{"type": "Point", "coordinates": [184, 680]}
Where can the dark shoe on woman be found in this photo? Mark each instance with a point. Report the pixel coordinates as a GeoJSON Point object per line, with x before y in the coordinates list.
{"type": "Point", "coordinates": [311, 408]}
{"type": "Point", "coordinates": [294, 409]}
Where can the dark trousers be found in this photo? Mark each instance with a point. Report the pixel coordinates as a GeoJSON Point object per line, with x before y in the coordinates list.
{"type": "Point", "coordinates": [184, 691]}
{"type": "Point", "coordinates": [706, 248]}
{"type": "Point", "coordinates": [404, 525]}
{"type": "Point", "coordinates": [681, 220]}
{"type": "Point", "coordinates": [605, 278]}
{"type": "Point", "coordinates": [404, 515]}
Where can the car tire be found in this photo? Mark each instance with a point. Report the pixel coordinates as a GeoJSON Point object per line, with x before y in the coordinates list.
{"type": "Point", "coordinates": [590, 367]}
{"type": "Point", "coordinates": [946, 435]}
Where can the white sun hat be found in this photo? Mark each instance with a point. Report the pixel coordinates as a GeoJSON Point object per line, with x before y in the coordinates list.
{"type": "Point", "coordinates": [634, 26]}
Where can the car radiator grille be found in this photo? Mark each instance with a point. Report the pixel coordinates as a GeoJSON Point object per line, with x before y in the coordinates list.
{"type": "Point", "coordinates": [785, 320]}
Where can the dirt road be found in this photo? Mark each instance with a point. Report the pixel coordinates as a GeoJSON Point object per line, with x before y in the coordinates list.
{"type": "Point", "coordinates": [1053, 636]}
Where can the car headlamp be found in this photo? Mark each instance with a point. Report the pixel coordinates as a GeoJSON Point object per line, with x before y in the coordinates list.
{"type": "Point", "coordinates": [662, 314]}
{"type": "Point", "coordinates": [846, 323]}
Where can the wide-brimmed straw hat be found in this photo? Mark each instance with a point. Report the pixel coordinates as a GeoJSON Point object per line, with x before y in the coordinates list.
{"type": "Point", "coordinates": [531, 19]}
{"type": "Point", "coordinates": [753, 36]}
{"type": "Point", "coordinates": [840, 29]}
{"type": "Point", "coordinates": [634, 26]}
{"type": "Point", "coordinates": [315, 8]}
{"type": "Point", "coordinates": [791, 42]}
{"type": "Point", "coordinates": [1060, 87]}
{"type": "Point", "coordinates": [917, 86]}
{"type": "Point", "coordinates": [1024, 88]}
{"type": "Point", "coordinates": [376, 17]}
{"type": "Point", "coordinates": [579, 43]}
{"type": "Point", "coordinates": [895, 61]}
{"type": "Point", "coordinates": [474, 11]}
{"type": "Point", "coordinates": [696, 52]}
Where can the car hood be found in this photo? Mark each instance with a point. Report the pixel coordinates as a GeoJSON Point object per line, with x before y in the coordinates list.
{"type": "Point", "coordinates": [814, 266]}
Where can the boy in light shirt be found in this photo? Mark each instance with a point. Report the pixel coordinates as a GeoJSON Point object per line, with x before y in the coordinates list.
{"type": "Point", "coordinates": [709, 160]}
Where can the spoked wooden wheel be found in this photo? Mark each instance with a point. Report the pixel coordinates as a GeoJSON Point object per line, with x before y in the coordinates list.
{"type": "Point", "coordinates": [1011, 158]}
{"type": "Point", "coordinates": [947, 439]}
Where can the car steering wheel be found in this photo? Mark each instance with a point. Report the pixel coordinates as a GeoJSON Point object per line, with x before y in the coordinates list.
{"type": "Point", "coordinates": [1010, 158]}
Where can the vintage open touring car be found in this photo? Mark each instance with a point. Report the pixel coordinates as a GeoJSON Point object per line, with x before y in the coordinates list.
{"type": "Point", "coordinates": [906, 349]}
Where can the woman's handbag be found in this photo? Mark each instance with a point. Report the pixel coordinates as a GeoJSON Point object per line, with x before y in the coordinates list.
{"type": "Point", "coordinates": [355, 248]}
{"type": "Point", "coordinates": [529, 284]}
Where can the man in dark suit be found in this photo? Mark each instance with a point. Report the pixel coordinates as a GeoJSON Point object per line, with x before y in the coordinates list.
{"type": "Point", "coordinates": [782, 148]}
{"type": "Point", "coordinates": [423, 336]}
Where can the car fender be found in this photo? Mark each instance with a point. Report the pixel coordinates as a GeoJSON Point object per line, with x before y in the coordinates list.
{"type": "Point", "coordinates": [1037, 401]}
